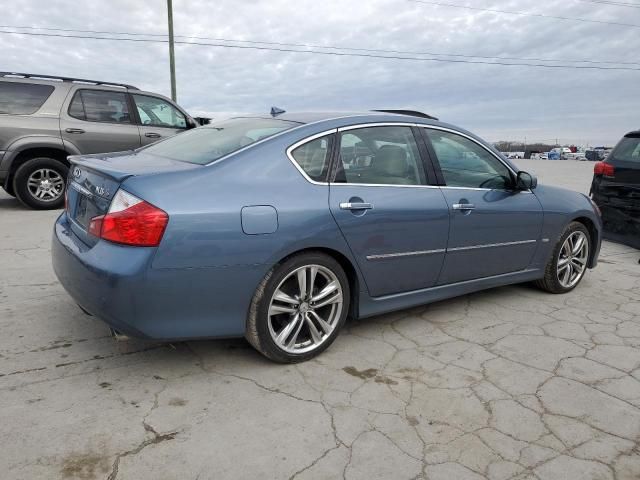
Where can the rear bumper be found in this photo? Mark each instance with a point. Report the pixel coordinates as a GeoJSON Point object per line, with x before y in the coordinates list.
{"type": "Point", "coordinates": [117, 284]}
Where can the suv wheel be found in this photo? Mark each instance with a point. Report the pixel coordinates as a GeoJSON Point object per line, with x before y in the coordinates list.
{"type": "Point", "coordinates": [40, 182]}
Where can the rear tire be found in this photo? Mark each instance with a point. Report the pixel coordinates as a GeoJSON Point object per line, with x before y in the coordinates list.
{"type": "Point", "coordinates": [299, 308]}
{"type": "Point", "coordinates": [39, 183]}
{"type": "Point", "coordinates": [568, 263]}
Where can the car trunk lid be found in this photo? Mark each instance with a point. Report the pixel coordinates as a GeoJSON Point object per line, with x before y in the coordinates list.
{"type": "Point", "coordinates": [94, 180]}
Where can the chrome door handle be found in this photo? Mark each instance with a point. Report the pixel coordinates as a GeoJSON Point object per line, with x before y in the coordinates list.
{"type": "Point", "coordinates": [152, 135]}
{"type": "Point", "coordinates": [74, 130]}
{"type": "Point", "coordinates": [463, 206]}
{"type": "Point", "coordinates": [356, 206]}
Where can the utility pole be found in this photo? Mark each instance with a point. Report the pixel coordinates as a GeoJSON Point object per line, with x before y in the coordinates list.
{"type": "Point", "coordinates": [172, 60]}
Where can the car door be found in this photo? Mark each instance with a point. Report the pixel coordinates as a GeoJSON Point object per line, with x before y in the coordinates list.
{"type": "Point", "coordinates": [494, 228]}
{"type": "Point", "coordinates": [158, 118]}
{"type": "Point", "coordinates": [99, 121]}
{"type": "Point", "coordinates": [394, 222]}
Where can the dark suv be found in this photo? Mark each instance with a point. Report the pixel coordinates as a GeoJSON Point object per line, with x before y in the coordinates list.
{"type": "Point", "coordinates": [616, 190]}
{"type": "Point", "coordinates": [44, 119]}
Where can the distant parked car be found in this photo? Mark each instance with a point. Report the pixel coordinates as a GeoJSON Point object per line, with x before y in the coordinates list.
{"type": "Point", "coordinates": [616, 190]}
{"type": "Point", "coordinates": [44, 119]}
{"type": "Point", "coordinates": [278, 228]}
{"type": "Point", "coordinates": [544, 156]}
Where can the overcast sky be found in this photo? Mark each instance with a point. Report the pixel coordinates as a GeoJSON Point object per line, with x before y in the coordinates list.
{"type": "Point", "coordinates": [497, 102]}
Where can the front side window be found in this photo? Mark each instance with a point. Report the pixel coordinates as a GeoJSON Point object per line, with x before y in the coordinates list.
{"type": "Point", "coordinates": [157, 112]}
{"type": "Point", "coordinates": [23, 98]}
{"type": "Point", "coordinates": [379, 156]}
{"type": "Point", "coordinates": [313, 158]}
{"type": "Point", "coordinates": [100, 106]}
{"type": "Point", "coordinates": [464, 163]}
{"type": "Point", "coordinates": [208, 143]}
{"type": "Point", "coordinates": [628, 150]}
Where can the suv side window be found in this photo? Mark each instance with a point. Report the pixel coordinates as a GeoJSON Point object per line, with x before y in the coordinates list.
{"type": "Point", "coordinates": [100, 106]}
{"type": "Point", "coordinates": [313, 158]}
{"type": "Point", "coordinates": [380, 156]}
{"type": "Point", "coordinates": [157, 112]}
{"type": "Point", "coordinates": [466, 164]}
{"type": "Point", "coordinates": [18, 98]}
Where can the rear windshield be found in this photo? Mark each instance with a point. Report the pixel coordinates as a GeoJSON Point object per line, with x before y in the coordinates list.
{"type": "Point", "coordinates": [628, 150]}
{"type": "Point", "coordinates": [206, 144]}
{"type": "Point", "coordinates": [22, 98]}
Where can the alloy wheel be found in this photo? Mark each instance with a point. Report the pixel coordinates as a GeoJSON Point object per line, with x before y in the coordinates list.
{"type": "Point", "coordinates": [572, 259]}
{"type": "Point", "coordinates": [46, 185]}
{"type": "Point", "coordinates": [305, 309]}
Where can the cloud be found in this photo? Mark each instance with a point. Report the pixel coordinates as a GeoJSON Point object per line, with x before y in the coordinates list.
{"type": "Point", "coordinates": [511, 102]}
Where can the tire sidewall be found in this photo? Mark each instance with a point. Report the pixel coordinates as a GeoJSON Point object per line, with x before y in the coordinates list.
{"type": "Point", "coordinates": [21, 177]}
{"type": "Point", "coordinates": [266, 343]}
{"type": "Point", "coordinates": [571, 228]}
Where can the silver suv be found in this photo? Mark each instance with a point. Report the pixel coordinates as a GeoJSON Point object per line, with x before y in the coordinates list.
{"type": "Point", "coordinates": [44, 119]}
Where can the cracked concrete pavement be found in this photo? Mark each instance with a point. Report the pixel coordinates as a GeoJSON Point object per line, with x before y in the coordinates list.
{"type": "Point", "coordinates": [509, 383]}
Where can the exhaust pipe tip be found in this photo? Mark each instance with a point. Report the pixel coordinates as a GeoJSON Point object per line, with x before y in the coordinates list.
{"type": "Point", "coordinates": [119, 336]}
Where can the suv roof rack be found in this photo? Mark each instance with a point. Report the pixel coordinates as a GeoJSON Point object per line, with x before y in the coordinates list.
{"type": "Point", "coordinates": [66, 79]}
{"type": "Point", "coordinates": [412, 113]}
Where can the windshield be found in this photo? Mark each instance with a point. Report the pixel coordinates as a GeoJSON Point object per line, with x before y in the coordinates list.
{"type": "Point", "coordinates": [206, 144]}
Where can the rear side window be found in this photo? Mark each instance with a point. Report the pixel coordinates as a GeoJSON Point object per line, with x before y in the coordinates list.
{"type": "Point", "coordinates": [313, 158]}
{"type": "Point", "coordinates": [23, 98]}
{"type": "Point", "coordinates": [100, 106]}
{"type": "Point", "coordinates": [628, 150]}
{"type": "Point", "coordinates": [206, 144]}
{"type": "Point", "coordinates": [379, 156]}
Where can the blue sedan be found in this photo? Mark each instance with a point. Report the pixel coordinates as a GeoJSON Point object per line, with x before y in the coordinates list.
{"type": "Point", "coordinates": [277, 228]}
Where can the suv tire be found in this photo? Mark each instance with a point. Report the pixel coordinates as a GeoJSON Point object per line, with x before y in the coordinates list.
{"type": "Point", "coordinates": [39, 183]}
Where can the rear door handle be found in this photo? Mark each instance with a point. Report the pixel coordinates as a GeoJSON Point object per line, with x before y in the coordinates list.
{"type": "Point", "coordinates": [74, 130]}
{"type": "Point", "coordinates": [356, 206]}
{"type": "Point", "coordinates": [463, 206]}
{"type": "Point", "coordinates": [152, 135]}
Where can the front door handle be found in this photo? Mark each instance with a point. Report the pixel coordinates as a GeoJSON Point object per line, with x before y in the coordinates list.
{"type": "Point", "coordinates": [356, 206]}
{"type": "Point", "coordinates": [152, 135]}
{"type": "Point", "coordinates": [463, 206]}
{"type": "Point", "coordinates": [74, 130]}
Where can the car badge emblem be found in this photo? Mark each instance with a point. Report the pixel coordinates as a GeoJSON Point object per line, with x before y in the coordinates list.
{"type": "Point", "coordinates": [77, 172]}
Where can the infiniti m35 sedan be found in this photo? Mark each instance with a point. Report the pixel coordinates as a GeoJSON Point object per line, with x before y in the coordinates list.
{"type": "Point", "coordinates": [278, 227]}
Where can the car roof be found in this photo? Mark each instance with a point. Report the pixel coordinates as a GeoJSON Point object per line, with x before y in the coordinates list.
{"type": "Point", "coordinates": [363, 116]}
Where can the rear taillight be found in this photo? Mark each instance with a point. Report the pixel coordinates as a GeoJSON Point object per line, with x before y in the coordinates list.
{"type": "Point", "coordinates": [605, 169]}
{"type": "Point", "coordinates": [130, 221]}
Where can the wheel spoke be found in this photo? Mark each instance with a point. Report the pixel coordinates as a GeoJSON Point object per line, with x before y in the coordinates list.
{"type": "Point", "coordinates": [292, 342]}
{"type": "Point", "coordinates": [562, 261]}
{"type": "Point", "coordinates": [278, 309]}
{"type": "Point", "coordinates": [577, 267]}
{"type": "Point", "coordinates": [284, 298]}
{"type": "Point", "coordinates": [320, 321]}
{"type": "Point", "coordinates": [287, 329]}
{"type": "Point", "coordinates": [315, 334]}
{"type": "Point", "coordinates": [578, 245]}
{"type": "Point", "coordinates": [313, 271]}
{"type": "Point", "coordinates": [302, 282]}
{"type": "Point", "coordinates": [326, 291]}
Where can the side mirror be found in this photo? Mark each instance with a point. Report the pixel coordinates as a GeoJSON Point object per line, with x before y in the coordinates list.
{"type": "Point", "coordinates": [526, 181]}
{"type": "Point", "coordinates": [191, 123]}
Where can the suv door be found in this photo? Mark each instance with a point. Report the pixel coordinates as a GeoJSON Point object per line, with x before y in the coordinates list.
{"type": "Point", "coordinates": [394, 222]}
{"type": "Point", "coordinates": [494, 229]}
{"type": "Point", "coordinates": [158, 118]}
{"type": "Point", "coordinates": [99, 121]}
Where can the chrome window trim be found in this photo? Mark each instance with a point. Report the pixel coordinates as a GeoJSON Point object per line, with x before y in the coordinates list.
{"type": "Point", "coordinates": [380, 185]}
{"type": "Point", "coordinates": [406, 254]}
{"type": "Point", "coordinates": [491, 245]}
{"type": "Point", "coordinates": [304, 141]}
{"type": "Point", "coordinates": [376, 124]}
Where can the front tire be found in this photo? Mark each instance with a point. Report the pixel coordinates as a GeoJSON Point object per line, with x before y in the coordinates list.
{"type": "Point", "coordinates": [40, 182]}
{"type": "Point", "coordinates": [568, 264]}
{"type": "Point", "coordinates": [299, 308]}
